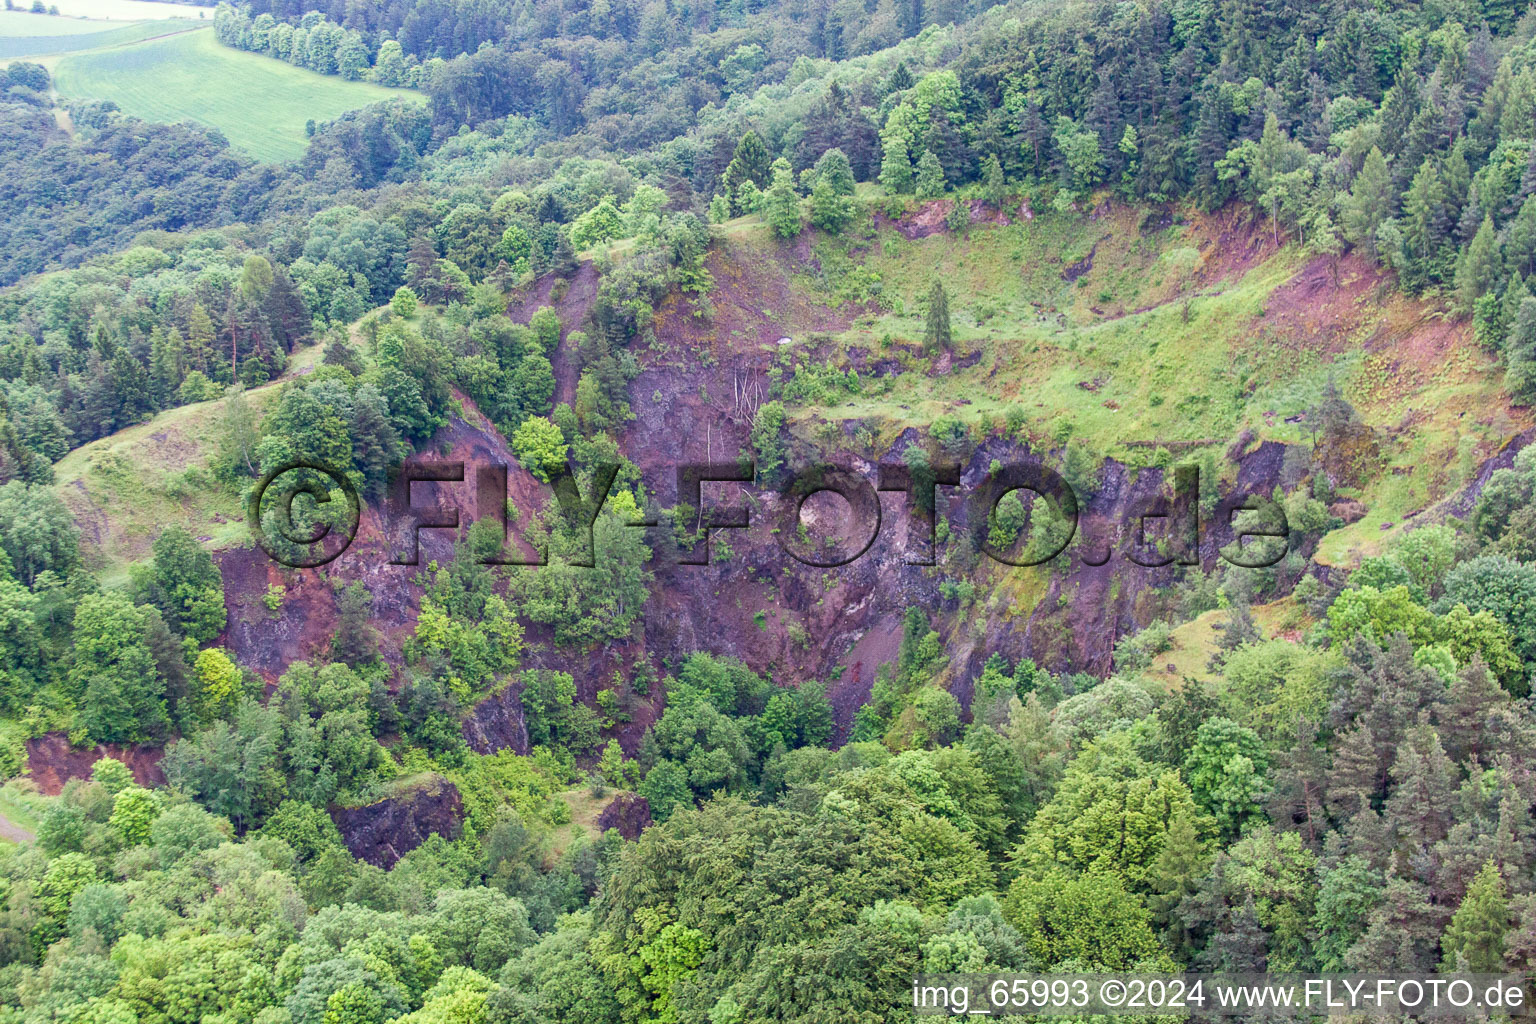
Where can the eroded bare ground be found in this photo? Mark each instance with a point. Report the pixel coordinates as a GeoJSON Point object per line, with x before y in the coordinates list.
{"type": "Point", "coordinates": [693, 400]}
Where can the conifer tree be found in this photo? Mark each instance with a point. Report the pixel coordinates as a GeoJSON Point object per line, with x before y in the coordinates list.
{"type": "Point", "coordinates": [750, 162]}
{"type": "Point", "coordinates": [200, 335]}
{"type": "Point", "coordinates": [1520, 376]}
{"type": "Point", "coordinates": [1370, 202]}
{"type": "Point", "coordinates": [781, 206]}
{"type": "Point", "coordinates": [936, 335]}
{"type": "Point", "coordinates": [930, 176]}
{"type": "Point", "coordinates": [832, 205]}
{"type": "Point", "coordinates": [1474, 940]}
{"type": "Point", "coordinates": [994, 182]}
{"type": "Point", "coordinates": [896, 167]}
{"type": "Point", "coordinates": [1479, 266]}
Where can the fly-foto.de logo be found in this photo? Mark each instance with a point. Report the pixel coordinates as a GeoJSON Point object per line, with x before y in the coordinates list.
{"type": "Point", "coordinates": [1252, 531]}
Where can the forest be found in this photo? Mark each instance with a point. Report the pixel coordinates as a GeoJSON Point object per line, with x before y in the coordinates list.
{"type": "Point", "coordinates": [1319, 765]}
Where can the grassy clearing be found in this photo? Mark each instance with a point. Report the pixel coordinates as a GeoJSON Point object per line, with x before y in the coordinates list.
{"type": "Point", "coordinates": [130, 10]}
{"type": "Point", "coordinates": [585, 809]}
{"type": "Point", "coordinates": [1195, 641]}
{"type": "Point", "coordinates": [1107, 329]}
{"type": "Point", "coordinates": [125, 488]}
{"type": "Point", "coordinates": [260, 104]}
{"type": "Point", "coordinates": [1105, 358]}
{"type": "Point", "coordinates": [108, 34]}
{"type": "Point", "coordinates": [24, 24]}
{"type": "Point", "coordinates": [22, 806]}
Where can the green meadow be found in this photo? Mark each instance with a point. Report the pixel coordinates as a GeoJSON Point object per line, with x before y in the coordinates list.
{"type": "Point", "coordinates": [260, 104]}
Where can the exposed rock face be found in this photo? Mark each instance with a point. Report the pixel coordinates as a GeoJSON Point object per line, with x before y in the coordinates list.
{"type": "Point", "coordinates": [1464, 501]}
{"type": "Point", "coordinates": [384, 832]}
{"type": "Point", "coordinates": [630, 813]}
{"type": "Point", "coordinates": [301, 627]}
{"type": "Point", "coordinates": [1348, 509]}
{"type": "Point", "coordinates": [497, 723]}
{"type": "Point", "coordinates": [51, 761]}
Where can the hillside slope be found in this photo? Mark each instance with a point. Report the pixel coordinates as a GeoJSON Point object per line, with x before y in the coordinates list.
{"type": "Point", "coordinates": [1131, 339]}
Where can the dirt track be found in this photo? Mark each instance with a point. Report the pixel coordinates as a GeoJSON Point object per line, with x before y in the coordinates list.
{"type": "Point", "coordinates": [14, 833]}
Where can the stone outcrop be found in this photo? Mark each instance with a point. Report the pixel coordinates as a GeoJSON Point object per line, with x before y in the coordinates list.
{"type": "Point", "coordinates": [381, 833]}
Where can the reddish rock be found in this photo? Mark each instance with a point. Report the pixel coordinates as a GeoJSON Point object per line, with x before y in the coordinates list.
{"type": "Point", "coordinates": [384, 832]}
{"type": "Point", "coordinates": [51, 761]}
{"type": "Point", "coordinates": [630, 813]}
{"type": "Point", "coordinates": [497, 723]}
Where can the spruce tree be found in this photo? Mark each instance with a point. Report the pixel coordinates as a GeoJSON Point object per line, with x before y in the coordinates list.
{"type": "Point", "coordinates": [994, 182]}
{"type": "Point", "coordinates": [781, 206]}
{"type": "Point", "coordinates": [1479, 265]}
{"type": "Point", "coordinates": [200, 336]}
{"type": "Point", "coordinates": [1370, 202]}
{"type": "Point", "coordinates": [936, 335]}
{"type": "Point", "coordinates": [930, 176]}
{"type": "Point", "coordinates": [1474, 940]}
{"type": "Point", "coordinates": [750, 162]}
{"type": "Point", "coordinates": [1516, 291]}
{"type": "Point", "coordinates": [896, 167]}
{"type": "Point", "coordinates": [1520, 375]}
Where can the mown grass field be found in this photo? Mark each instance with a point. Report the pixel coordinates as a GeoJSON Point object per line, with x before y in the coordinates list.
{"type": "Point", "coordinates": [75, 35]}
{"type": "Point", "coordinates": [15, 24]}
{"type": "Point", "coordinates": [260, 104]}
{"type": "Point", "coordinates": [132, 10]}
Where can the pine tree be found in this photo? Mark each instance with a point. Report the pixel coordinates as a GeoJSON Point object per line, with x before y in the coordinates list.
{"type": "Point", "coordinates": [1033, 131]}
{"type": "Point", "coordinates": [286, 313]}
{"type": "Point", "coordinates": [1356, 775]}
{"type": "Point", "coordinates": [936, 334]}
{"type": "Point", "coordinates": [1239, 944]}
{"type": "Point", "coordinates": [1424, 782]}
{"type": "Point", "coordinates": [422, 271]}
{"type": "Point", "coordinates": [1401, 932]}
{"type": "Point", "coordinates": [1300, 784]}
{"type": "Point", "coordinates": [166, 365]}
{"type": "Point", "coordinates": [200, 335]}
{"type": "Point", "coordinates": [1474, 940]}
{"type": "Point", "coordinates": [1473, 712]}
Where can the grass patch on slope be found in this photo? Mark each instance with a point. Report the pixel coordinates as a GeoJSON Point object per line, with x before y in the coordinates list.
{"type": "Point", "coordinates": [259, 103]}
{"type": "Point", "coordinates": [125, 488]}
{"type": "Point", "coordinates": [76, 35]}
{"type": "Point", "coordinates": [1121, 328]}
{"type": "Point", "coordinates": [1076, 368]}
